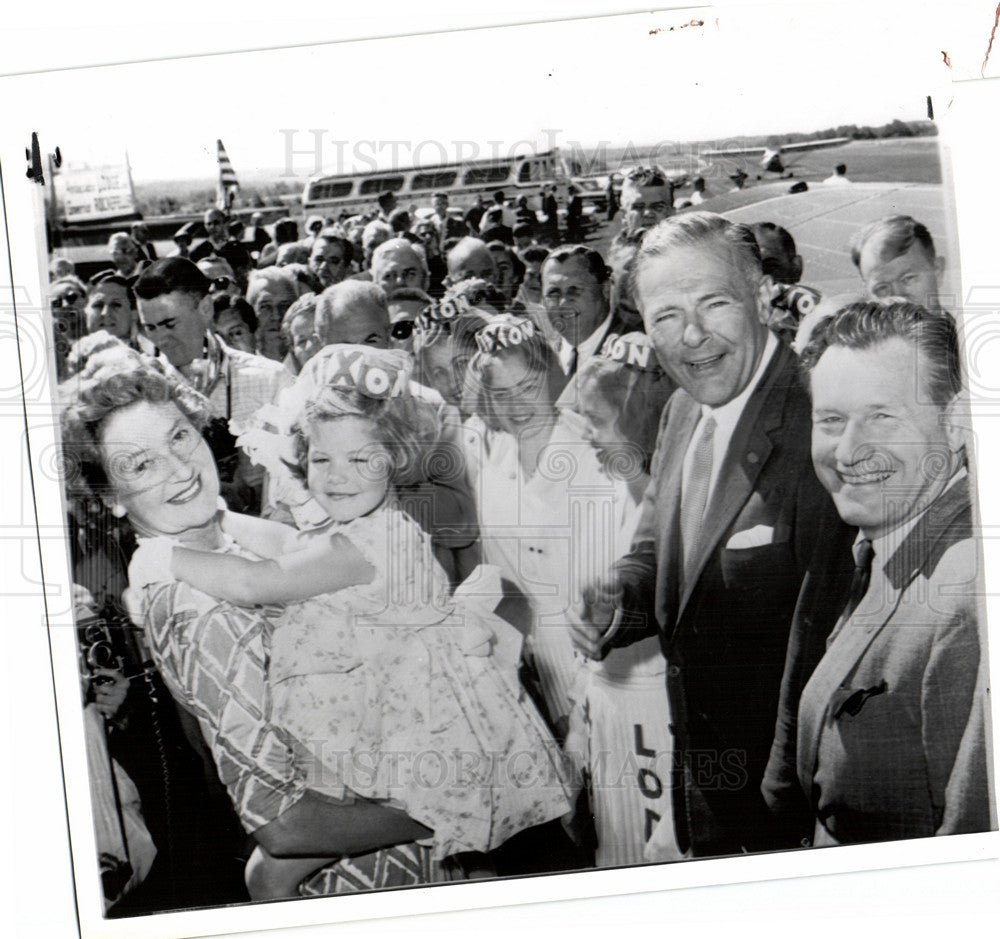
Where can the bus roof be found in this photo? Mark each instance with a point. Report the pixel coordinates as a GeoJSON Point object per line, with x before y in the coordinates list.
{"type": "Point", "coordinates": [395, 171]}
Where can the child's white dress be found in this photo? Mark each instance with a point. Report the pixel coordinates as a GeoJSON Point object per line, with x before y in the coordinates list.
{"type": "Point", "coordinates": [399, 691]}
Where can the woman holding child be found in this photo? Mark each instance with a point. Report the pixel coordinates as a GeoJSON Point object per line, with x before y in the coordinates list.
{"type": "Point", "coordinates": [359, 645]}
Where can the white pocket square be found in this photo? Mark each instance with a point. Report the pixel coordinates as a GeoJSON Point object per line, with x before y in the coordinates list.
{"type": "Point", "coordinates": [752, 538]}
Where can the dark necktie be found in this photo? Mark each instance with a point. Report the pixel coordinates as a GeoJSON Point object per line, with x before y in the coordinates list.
{"type": "Point", "coordinates": [571, 362]}
{"type": "Point", "coordinates": [863, 555]}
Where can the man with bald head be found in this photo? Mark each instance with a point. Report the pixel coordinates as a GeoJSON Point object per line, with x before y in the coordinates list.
{"type": "Point", "coordinates": [471, 258]}
{"type": "Point", "coordinates": [218, 235]}
{"type": "Point", "coordinates": [732, 518]}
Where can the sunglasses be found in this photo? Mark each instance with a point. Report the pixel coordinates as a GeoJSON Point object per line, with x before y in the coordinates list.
{"type": "Point", "coordinates": [402, 330]}
{"type": "Point", "coordinates": [67, 299]}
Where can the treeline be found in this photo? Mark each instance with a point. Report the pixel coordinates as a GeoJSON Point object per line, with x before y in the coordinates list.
{"type": "Point", "coordinates": [599, 159]}
{"type": "Point", "coordinates": [194, 196]}
{"type": "Point", "coordinates": [896, 128]}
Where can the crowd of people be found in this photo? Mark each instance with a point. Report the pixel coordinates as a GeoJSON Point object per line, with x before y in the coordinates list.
{"type": "Point", "coordinates": [456, 550]}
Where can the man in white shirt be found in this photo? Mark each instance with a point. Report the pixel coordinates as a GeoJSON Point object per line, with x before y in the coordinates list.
{"type": "Point", "coordinates": [575, 295]}
{"type": "Point", "coordinates": [730, 522]}
{"type": "Point", "coordinates": [838, 177]}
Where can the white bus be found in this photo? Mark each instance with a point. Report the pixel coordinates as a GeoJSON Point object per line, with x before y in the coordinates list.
{"type": "Point", "coordinates": [515, 175]}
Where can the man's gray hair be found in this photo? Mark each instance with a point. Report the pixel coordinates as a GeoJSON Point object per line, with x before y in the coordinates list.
{"type": "Point", "coordinates": [397, 244]}
{"type": "Point", "coordinates": [348, 295]}
{"type": "Point", "coordinates": [692, 230]}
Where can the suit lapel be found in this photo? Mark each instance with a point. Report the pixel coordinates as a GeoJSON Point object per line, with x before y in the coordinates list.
{"type": "Point", "coordinates": [747, 453]}
{"type": "Point", "coordinates": [941, 526]}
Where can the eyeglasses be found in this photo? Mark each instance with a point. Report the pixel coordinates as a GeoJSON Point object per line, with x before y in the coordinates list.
{"type": "Point", "coordinates": [402, 330]}
{"type": "Point", "coordinates": [221, 284]}
{"type": "Point", "coordinates": [67, 299]}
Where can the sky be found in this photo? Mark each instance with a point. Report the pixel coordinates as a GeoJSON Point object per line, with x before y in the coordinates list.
{"type": "Point", "coordinates": [645, 78]}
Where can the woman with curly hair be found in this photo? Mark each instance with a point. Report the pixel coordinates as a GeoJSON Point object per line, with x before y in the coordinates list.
{"type": "Point", "coordinates": [130, 435]}
{"type": "Point", "coordinates": [390, 688]}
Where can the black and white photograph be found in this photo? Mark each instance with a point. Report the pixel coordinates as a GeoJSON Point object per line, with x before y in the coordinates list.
{"type": "Point", "coordinates": [492, 463]}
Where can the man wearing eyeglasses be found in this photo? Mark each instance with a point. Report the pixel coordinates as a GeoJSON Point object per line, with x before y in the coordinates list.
{"type": "Point", "coordinates": [575, 297]}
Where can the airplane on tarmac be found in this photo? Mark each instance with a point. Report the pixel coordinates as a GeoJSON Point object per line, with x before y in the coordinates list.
{"type": "Point", "coordinates": [771, 157]}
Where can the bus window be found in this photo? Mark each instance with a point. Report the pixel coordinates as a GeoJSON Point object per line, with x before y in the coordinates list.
{"type": "Point", "coordinates": [483, 175]}
{"type": "Point", "coordinates": [441, 179]}
{"type": "Point", "coordinates": [329, 189]}
{"type": "Point", "coordinates": [381, 184]}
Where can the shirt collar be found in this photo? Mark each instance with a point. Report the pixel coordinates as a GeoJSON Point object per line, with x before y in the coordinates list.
{"type": "Point", "coordinates": [727, 415]}
{"type": "Point", "coordinates": [886, 544]}
{"type": "Point", "coordinates": [589, 345]}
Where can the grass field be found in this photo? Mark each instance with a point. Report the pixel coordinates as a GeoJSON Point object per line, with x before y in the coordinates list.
{"type": "Point", "coordinates": [893, 176]}
{"type": "Point", "coordinates": [898, 160]}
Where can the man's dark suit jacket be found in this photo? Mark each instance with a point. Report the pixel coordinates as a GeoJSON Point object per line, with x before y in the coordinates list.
{"type": "Point", "coordinates": [725, 633]}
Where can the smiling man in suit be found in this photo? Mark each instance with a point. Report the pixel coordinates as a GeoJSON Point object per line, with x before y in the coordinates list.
{"type": "Point", "coordinates": [730, 522]}
{"type": "Point", "coordinates": [888, 737]}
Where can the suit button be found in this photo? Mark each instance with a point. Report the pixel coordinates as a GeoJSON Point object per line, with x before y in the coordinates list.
{"type": "Point", "coordinates": [673, 671]}
{"type": "Point", "coordinates": [753, 458]}
{"type": "Point", "coordinates": [806, 842]}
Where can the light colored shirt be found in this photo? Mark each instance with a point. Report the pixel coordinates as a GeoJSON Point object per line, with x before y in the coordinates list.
{"type": "Point", "coordinates": [585, 351]}
{"type": "Point", "coordinates": [726, 416]}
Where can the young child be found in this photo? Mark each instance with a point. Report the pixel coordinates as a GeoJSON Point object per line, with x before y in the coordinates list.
{"type": "Point", "coordinates": [395, 690]}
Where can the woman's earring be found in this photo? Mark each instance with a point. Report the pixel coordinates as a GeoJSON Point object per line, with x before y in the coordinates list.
{"type": "Point", "coordinates": [118, 511]}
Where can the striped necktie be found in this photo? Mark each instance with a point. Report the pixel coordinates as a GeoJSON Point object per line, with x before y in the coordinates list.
{"type": "Point", "coordinates": [695, 495]}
